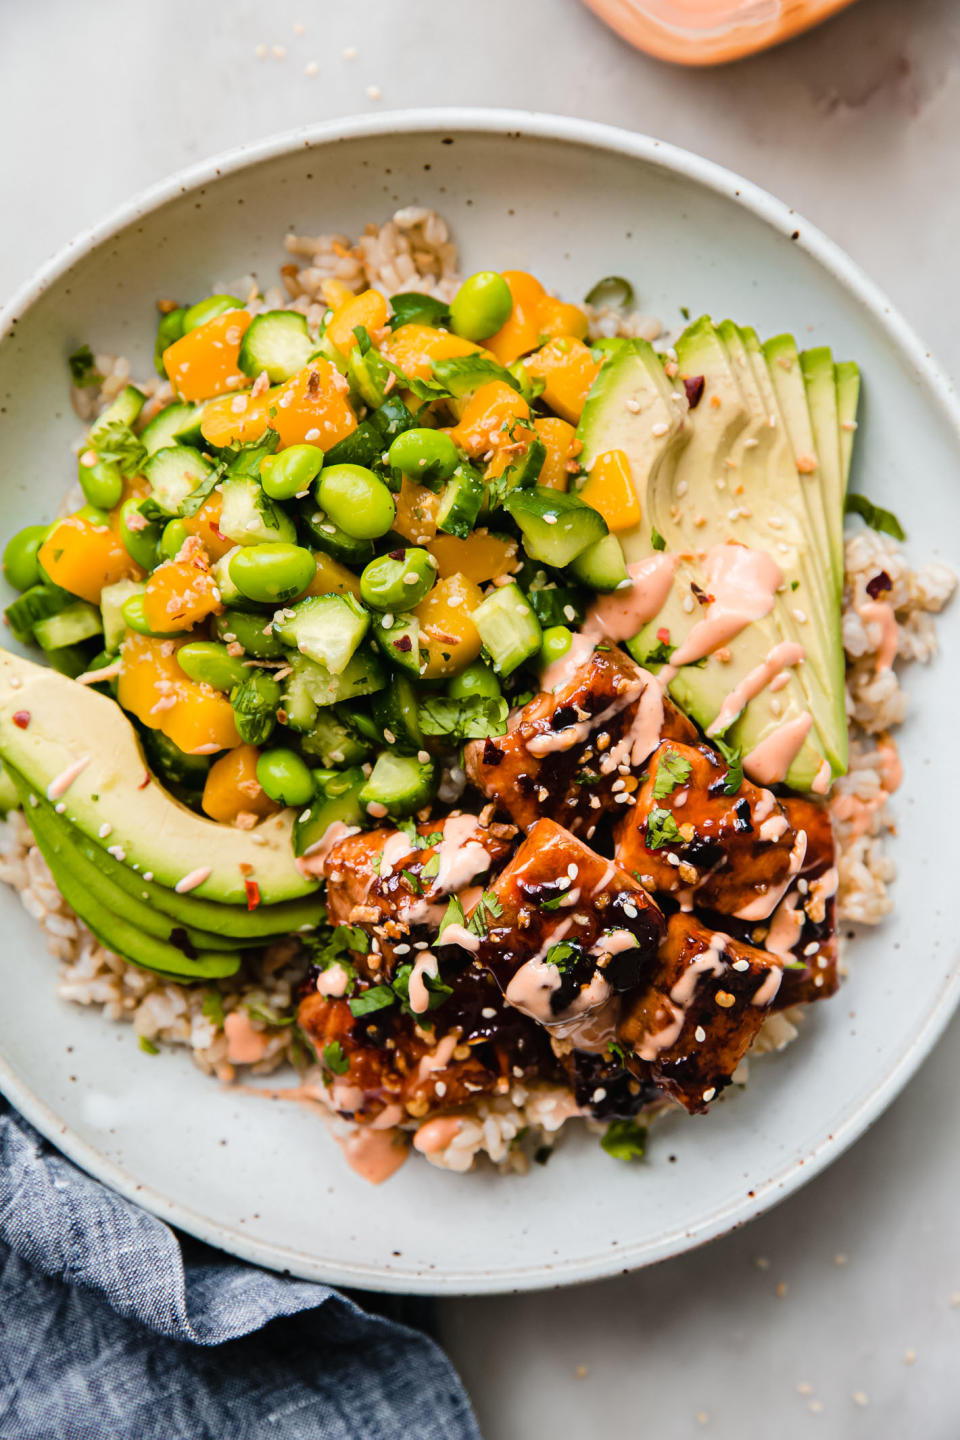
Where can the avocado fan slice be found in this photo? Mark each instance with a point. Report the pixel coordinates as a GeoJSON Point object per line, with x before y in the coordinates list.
{"type": "Point", "coordinates": [125, 939]}
{"type": "Point", "coordinates": [48, 827]}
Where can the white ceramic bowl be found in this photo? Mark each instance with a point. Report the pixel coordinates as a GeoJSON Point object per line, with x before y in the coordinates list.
{"type": "Point", "coordinates": [571, 201]}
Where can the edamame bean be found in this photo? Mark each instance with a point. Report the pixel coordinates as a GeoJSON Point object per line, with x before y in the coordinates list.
{"type": "Point", "coordinates": [211, 664]}
{"type": "Point", "coordinates": [481, 305]}
{"type": "Point", "coordinates": [134, 617]}
{"type": "Point", "coordinates": [169, 329]}
{"type": "Point", "coordinates": [555, 643]}
{"type": "Point", "coordinates": [285, 777]}
{"type": "Point", "coordinates": [356, 500]}
{"type": "Point", "coordinates": [477, 679]}
{"type": "Point", "coordinates": [273, 572]}
{"type": "Point", "coordinates": [175, 534]}
{"type": "Point", "coordinates": [20, 563]}
{"type": "Point", "coordinates": [424, 455]}
{"type": "Point", "coordinates": [101, 482]}
{"type": "Point", "coordinates": [209, 309]}
{"type": "Point", "coordinates": [251, 632]}
{"type": "Point", "coordinates": [398, 581]}
{"type": "Point", "coordinates": [292, 472]}
{"type": "Point", "coordinates": [140, 538]}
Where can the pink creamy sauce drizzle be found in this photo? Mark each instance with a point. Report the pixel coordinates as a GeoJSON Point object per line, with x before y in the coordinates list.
{"type": "Point", "coordinates": [743, 583]}
{"type": "Point", "coordinates": [375, 1155]}
{"type": "Point", "coordinates": [768, 762]}
{"type": "Point", "coordinates": [333, 981]}
{"type": "Point", "coordinates": [785, 927]}
{"type": "Point", "coordinates": [311, 863]}
{"type": "Point", "coordinates": [435, 1135]}
{"type": "Point", "coordinates": [61, 783]}
{"type": "Point", "coordinates": [675, 1006]}
{"type": "Point", "coordinates": [455, 934]}
{"type": "Point", "coordinates": [440, 1058]}
{"type": "Point", "coordinates": [780, 659]}
{"type": "Point", "coordinates": [881, 614]}
{"type": "Point", "coordinates": [245, 1044]}
{"type": "Point", "coordinates": [822, 779]}
{"type": "Point", "coordinates": [419, 996]}
{"type": "Point", "coordinates": [617, 616]}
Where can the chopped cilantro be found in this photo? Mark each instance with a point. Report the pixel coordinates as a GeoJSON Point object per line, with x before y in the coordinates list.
{"type": "Point", "coordinates": [413, 880]}
{"type": "Point", "coordinates": [874, 515]}
{"type": "Point", "coordinates": [672, 770]}
{"type": "Point", "coordinates": [616, 1052]}
{"type": "Point", "coordinates": [437, 990]}
{"type": "Point", "coordinates": [662, 829]}
{"type": "Point", "coordinates": [794, 584]}
{"type": "Point", "coordinates": [212, 1007]}
{"type": "Point", "coordinates": [586, 777]}
{"type": "Point", "coordinates": [658, 654]}
{"type": "Point", "coordinates": [431, 870]}
{"type": "Point", "coordinates": [83, 368]}
{"type": "Point", "coordinates": [733, 755]}
{"type": "Point", "coordinates": [453, 916]}
{"type": "Point", "coordinates": [117, 445]}
{"type": "Point", "coordinates": [148, 1046]}
{"type": "Point", "coordinates": [488, 908]}
{"type": "Point", "coordinates": [475, 718]}
{"type": "Point", "coordinates": [561, 955]}
{"type": "Point", "coordinates": [685, 311]}
{"type": "Point", "coordinates": [334, 1058]}
{"type": "Point", "coordinates": [378, 997]}
{"type": "Point", "coordinates": [625, 1140]}
{"type": "Point", "coordinates": [657, 540]}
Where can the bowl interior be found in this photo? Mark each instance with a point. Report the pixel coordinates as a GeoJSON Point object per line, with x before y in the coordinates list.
{"type": "Point", "coordinates": [263, 1178]}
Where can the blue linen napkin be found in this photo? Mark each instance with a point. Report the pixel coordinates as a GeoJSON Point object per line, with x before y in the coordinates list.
{"type": "Point", "coordinates": [113, 1327]}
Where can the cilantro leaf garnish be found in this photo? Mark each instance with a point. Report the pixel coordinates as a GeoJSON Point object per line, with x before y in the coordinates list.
{"type": "Point", "coordinates": [478, 717]}
{"type": "Point", "coordinates": [452, 916]}
{"type": "Point", "coordinates": [625, 1140]}
{"type": "Point", "coordinates": [561, 955]}
{"type": "Point", "coordinates": [488, 908]}
{"type": "Point", "coordinates": [437, 989]}
{"type": "Point", "coordinates": [378, 997]}
{"type": "Point", "coordinates": [733, 755]}
{"type": "Point", "coordinates": [334, 1059]}
{"type": "Point", "coordinates": [657, 540]}
{"type": "Point", "coordinates": [672, 770]}
{"type": "Point", "coordinates": [662, 829]}
{"type": "Point", "coordinates": [413, 880]}
{"type": "Point", "coordinates": [212, 1007]}
{"type": "Point", "coordinates": [117, 445]}
{"type": "Point", "coordinates": [431, 869]}
{"type": "Point", "coordinates": [83, 368]}
{"type": "Point", "coordinates": [874, 515]}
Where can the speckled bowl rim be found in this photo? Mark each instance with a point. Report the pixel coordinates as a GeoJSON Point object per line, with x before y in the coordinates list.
{"type": "Point", "coordinates": [780, 218]}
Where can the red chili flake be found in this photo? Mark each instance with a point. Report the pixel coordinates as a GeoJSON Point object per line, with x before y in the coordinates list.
{"type": "Point", "coordinates": [879, 585]}
{"type": "Point", "coordinates": [21, 719]}
{"type": "Point", "coordinates": [404, 643]}
{"type": "Point", "coordinates": [398, 554]}
{"type": "Point", "coordinates": [253, 894]}
{"type": "Point", "coordinates": [663, 635]}
{"type": "Point", "coordinates": [702, 596]}
{"type": "Point", "coordinates": [145, 781]}
{"type": "Point", "coordinates": [693, 385]}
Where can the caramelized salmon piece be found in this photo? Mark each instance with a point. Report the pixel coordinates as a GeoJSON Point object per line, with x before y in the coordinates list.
{"type": "Point", "coordinates": [568, 753]}
{"type": "Point", "coordinates": [396, 887]}
{"type": "Point", "coordinates": [564, 932]}
{"type": "Point", "coordinates": [692, 1024]}
{"type": "Point", "coordinates": [802, 930]}
{"type": "Point", "coordinates": [687, 837]}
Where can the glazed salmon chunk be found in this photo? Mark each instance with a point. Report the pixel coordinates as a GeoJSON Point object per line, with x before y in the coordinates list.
{"type": "Point", "coordinates": [570, 753]}
{"type": "Point", "coordinates": [687, 837]}
{"type": "Point", "coordinates": [693, 1023]}
{"type": "Point", "coordinates": [564, 931]}
{"type": "Point", "coordinates": [394, 884]}
{"type": "Point", "coordinates": [802, 930]}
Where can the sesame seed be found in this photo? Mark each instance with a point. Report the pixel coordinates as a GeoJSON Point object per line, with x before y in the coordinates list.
{"type": "Point", "coordinates": [633, 406]}
{"type": "Point", "coordinates": [423, 756]}
{"type": "Point", "coordinates": [909, 1357]}
{"type": "Point", "coordinates": [350, 53]}
{"type": "Point", "coordinates": [799, 615]}
{"type": "Point", "coordinates": [659, 429]}
{"type": "Point", "coordinates": [859, 1398]}
{"type": "Point", "coordinates": [298, 27]}
{"type": "Point", "coordinates": [488, 1013]}
{"type": "Point", "coordinates": [386, 622]}
{"type": "Point", "coordinates": [811, 949]}
{"type": "Point", "coordinates": [374, 92]}
{"type": "Point", "coordinates": [700, 1034]}
{"type": "Point", "coordinates": [278, 52]}
{"type": "Point", "coordinates": [410, 578]}
{"type": "Point", "coordinates": [598, 1095]}
{"type": "Point", "coordinates": [261, 52]}
{"type": "Point", "coordinates": [682, 488]}
{"type": "Point", "coordinates": [709, 1094]}
{"type": "Point", "coordinates": [550, 519]}
{"type": "Point", "coordinates": [104, 830]}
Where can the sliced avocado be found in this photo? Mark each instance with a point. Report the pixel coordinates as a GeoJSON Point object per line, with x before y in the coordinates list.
{"type": "Point", "coordinates": [70, 730]}
{"type": "Point", "coordinates": [718, 487]}
{"type": "Point", "coordinates": [633, 407]}
{"type": "Point", "coordinates": [56, 836]}
{"type": "Point", "coordinates": [847, 376]}
{"type": "Point", "coordinates": [819, 378]}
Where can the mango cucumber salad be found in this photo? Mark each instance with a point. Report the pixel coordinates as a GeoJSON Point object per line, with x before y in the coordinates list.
{"type": "Point", "coordinates": [322, 558]}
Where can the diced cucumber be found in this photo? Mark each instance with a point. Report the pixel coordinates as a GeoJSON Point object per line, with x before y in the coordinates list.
{"type": "Point", "coordinates": [400, 641]}
{"type": "Point", "coordinates": [111, 602]}
{"type": "Point", "coordinates": [391, 419]}
{"type": "Point", "coordinates": [171, 764]}
{"type": "Point", "coordinates": [277, 342]}
{"type": "Point", "coordinates": [395, 711]}
{"type": "Point", "coordinates": [70, 660]}
{"type": "Point", "coordinates": [174, 473]}
{"type": "Point", "coordinates": [311, 686]}
{"type": "Point", "coordinates": [508, 627]}
{"type": "Point", "coordinates": [177, 424]}
{"type": "Point", "coordinates": [326, 536]}
{"type": "Point", "coordinates": [525, 471]}
{"type": "Point", "coordinates": [463, 374]}
{"type": "Point", "coordinates": [557, 605]}
{"type": "Point", "coordinates": [399, 785]}
{"type": "Point", "coordinates": [602, 566]}
{"type": "Point", "coordinates": [124, 410]}
{"type": "Point", "coordinates": [556, 527]}
{"type": "Point", "coordinates": [249, 517]}
{"type": "Point", "coordinates": [340, 801]}
{"type": "Point", "coordinates": [35, 604]}
{"type": "Point", "coordinates": [326, 350]}
{"type": "Point", "coordinates": [325, 628]}
{"type": "Point", "coordinates": [334, 741]}
{"type": "Point", "coordinates": [229, 593]}
{"type": "Point", "coordinates": [461, 502]}
{"type": "Point", "coordinates": [363, 446]}
{"type": "Point", "coordinates": [77, 622]}
{"type": "Point", "coordinates": [368, 375]}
